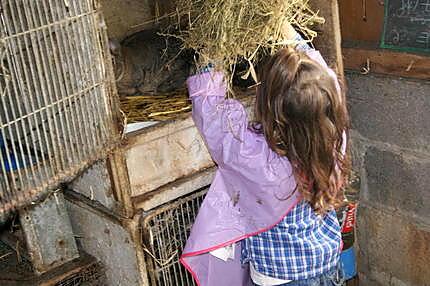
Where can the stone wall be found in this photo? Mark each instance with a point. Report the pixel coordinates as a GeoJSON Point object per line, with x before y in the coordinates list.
{"type": "Point", "coordinates": [391, 151]}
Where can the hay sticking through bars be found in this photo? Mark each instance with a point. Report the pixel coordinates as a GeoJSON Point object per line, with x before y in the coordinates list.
{"type": "Point", "coordinates": [159, 107]}
{"type": "Point", "coordinates": [224, 32]}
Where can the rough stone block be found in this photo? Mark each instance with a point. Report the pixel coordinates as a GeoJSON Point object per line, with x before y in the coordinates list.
{"type": "Point", "coordinates": [399, 180]}
{"type": "Point", "coordinates": [357, 150]}
{"type": "Point", "coordinates": [390, 110]}
{"type": "Point", "coordinates": [393, 250]}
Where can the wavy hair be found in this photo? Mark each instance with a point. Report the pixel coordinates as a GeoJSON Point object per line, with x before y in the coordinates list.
{"type": "Point", "coordinates": [303, 116]}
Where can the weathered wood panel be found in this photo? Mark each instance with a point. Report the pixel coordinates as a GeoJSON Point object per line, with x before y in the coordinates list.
{"type": "Point", "coordinates": [328, 41]}
{"type": "Point", "coordinates": [163, 154]}
{"type": "Point", "coordinates": [387, 62]}
{"type": "Point", "coordinates": [174, 190]}
{"type": "Point", "coordinates": [361, 20]}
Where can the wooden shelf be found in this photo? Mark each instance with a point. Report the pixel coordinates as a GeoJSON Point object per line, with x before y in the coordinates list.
{"type": "Point", "coordinates": [387, 62]}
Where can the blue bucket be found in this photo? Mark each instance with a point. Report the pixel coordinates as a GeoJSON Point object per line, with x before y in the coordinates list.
{"type": "Point", "coordinates": [347, 260]}
{"type": "Point", "coordinates": [15, 161]}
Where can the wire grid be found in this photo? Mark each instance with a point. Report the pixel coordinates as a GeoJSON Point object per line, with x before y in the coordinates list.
{"type": "Point", "coordinates": [90, 276]}
{"type": "Point", "coordinates": [56, 95]}
{"type": "Point", "coordinates": [165, 231]}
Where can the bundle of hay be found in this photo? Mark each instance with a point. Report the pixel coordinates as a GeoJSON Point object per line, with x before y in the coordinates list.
{"type": "Point", "coordinates": [225, 32]}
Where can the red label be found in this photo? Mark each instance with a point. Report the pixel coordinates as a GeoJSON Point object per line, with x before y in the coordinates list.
{"type": "Point", "coordinates": [349, 218]}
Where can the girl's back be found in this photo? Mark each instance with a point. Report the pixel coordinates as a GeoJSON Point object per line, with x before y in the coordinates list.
{"type": "Point", "coordinates": [302, 114]}
{"type": "Point", "coordinates": [278, 179]}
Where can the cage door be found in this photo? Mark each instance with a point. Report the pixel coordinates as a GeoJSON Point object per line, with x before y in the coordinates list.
{"type": "Point", "coordinates": [57, 95]}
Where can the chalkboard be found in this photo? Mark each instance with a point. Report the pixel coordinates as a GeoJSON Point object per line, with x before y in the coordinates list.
{"type": "Point", "coordinates": [407, 25]}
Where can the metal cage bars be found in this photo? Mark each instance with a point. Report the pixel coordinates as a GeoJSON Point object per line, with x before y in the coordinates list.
{"type": "Point", "coordinates": [56, 95]}
{"type": "Point", "coordinates": [165, 231]}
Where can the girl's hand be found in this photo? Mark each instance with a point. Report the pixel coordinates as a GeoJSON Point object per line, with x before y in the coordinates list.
{"type": "Point", "coordinates": [291, 34]}
{"type": "Point", "coordinates": [288, 31]}
{"type": "Point", "coordinates": [206, 68]}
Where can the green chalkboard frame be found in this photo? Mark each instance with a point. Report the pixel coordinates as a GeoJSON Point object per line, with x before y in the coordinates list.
{"type": "Point", "coordinates": [383, 45]}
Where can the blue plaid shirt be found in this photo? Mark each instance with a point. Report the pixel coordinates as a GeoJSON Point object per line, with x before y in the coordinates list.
{"type": "Point", "coordinates": [303, 245]}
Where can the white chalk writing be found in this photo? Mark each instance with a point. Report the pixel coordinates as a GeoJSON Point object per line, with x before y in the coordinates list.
{"type": "Point", "coordinates": [407, 24]}
{"type": "Point", "coordinates": [426, 6]}
{"type": "Point", "coordinates": [407, 7]}
{"type": "Point", "coordinates": [418, 19]}
{"type": "Point", "coordinates": [424, 39]}
{"type": "Point", "coordinates": [399, 36]}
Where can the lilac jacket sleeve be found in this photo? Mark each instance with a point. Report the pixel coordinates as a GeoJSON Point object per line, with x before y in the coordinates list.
{"type": "Point", "coordinates": [222, 122]}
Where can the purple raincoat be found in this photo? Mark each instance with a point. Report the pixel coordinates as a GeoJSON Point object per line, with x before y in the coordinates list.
{"type": "Point", "coordinates": [252, 191]}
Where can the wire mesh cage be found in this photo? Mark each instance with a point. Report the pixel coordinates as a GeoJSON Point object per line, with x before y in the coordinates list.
{"type": "Point", "coordinates": [56, 95]}
{"type": "Point", "coordinates": [165, 231]}
{"type": "Point", "coordinates": [90, 276]}
{"type": "Point", "coordinates": [16, 269]}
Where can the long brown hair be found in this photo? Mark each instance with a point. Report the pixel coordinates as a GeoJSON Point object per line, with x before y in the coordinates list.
{"type": "Point", "coordinates": [303, 116]}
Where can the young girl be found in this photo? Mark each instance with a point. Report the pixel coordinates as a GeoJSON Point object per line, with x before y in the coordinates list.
{"type": "Point", "coordinates": [279, 178]}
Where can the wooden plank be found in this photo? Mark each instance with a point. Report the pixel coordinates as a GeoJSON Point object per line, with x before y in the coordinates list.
{"type": "Point", "coordinates": [174, 190]}
{"type": "Point", "coordinates": [361, 20]}
{"type": "Point", "coordinates": [387, 62]}
{"type": "Point", "coordinates": [121, 189]}
{"type": "Point", "coordinates": [328, 41]}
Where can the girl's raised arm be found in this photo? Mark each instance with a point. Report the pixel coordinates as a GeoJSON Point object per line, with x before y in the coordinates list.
{"type": "Point", "coordinates": [222, 122]}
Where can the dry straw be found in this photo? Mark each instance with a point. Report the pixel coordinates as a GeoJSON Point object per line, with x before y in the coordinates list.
{"type": "Point", "coordinates": [227, 31]}
{"type": "Point", "coordinates": [157, 107]}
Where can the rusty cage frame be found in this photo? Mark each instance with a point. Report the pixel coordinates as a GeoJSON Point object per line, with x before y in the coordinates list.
{"type": "Point", "coordinates": [57, 95]}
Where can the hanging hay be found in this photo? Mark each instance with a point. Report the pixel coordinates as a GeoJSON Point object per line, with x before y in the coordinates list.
{"type": "Point", "coordinates": [225, 32]}
{"type": "Point", "coordinates": [160, 107]}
